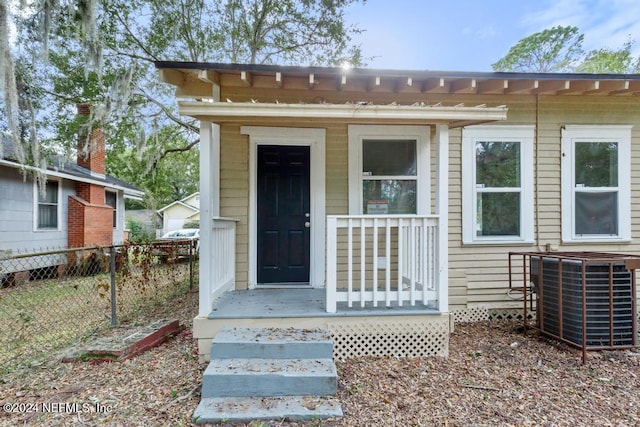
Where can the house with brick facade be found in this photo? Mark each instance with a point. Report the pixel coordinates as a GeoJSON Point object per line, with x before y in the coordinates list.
{"type": "Point", "coordinates": [80, 205]}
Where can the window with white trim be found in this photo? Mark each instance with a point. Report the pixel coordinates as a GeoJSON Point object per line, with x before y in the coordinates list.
{"type": "Point", "coordinates": [388, 170]}
{"type": "Point", "coordinates": [596, 191]}
{"type": "Point", "coordinates": [47, 211]}
{"type": "Point", "coordinates": [111, 199]}
{"type": "Point", "coordinates": [497, 184]}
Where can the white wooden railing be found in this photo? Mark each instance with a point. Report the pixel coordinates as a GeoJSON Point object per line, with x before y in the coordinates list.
{"type": "Point", "coordinates": [387, 260]}
{"type": "Point", "coordinates": [217, 268]}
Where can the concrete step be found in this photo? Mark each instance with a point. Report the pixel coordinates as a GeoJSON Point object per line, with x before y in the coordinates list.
{"type": "Point", "coordinates": [269, 377]}
{"type": "Point", "coordinates": [246, 409]}
{"type": "Point", "coordinates": [272, 343]}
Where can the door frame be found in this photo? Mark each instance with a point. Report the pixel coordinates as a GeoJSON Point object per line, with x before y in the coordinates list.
{"type": "Point", "coordinates": [315, 139]}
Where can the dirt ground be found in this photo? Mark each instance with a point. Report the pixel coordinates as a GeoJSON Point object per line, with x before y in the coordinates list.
{"type": "Point", "coordinates": [494, 376]}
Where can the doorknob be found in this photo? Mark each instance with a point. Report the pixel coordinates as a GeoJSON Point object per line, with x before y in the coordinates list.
{"type": "Point", "coordinates": [307, 224]}
{"type": "Point", "coordinates": [307, 215]}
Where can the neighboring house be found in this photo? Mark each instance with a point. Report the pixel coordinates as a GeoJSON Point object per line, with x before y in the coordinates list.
{"type": "Point", "coordinates": [177, 213]}
{"type": "Point", "coordinates": [80, 206]}
{"type": "Point", "coordinates": [398, 195]}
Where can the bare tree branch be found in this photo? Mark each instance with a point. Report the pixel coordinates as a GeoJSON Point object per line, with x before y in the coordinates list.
{"type": "Point", "coordinates": [166, 152]}
{"type": "Point", "coordinates": [169, 114]}
{"type": "Point", "coordinates": [135, 39]}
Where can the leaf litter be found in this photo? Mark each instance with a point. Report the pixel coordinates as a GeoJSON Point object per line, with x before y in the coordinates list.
{"type": "Point", "coordinates": [495, 375]}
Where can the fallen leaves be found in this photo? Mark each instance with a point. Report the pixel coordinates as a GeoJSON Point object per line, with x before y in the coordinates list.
{"type": "Point", "coordinates": [494, 375]}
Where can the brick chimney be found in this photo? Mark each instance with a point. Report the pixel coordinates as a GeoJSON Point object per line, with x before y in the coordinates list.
{"type": "Point", "coordinates": [91, 155]}
{"type": "Point", "coordinates": [90, 220]}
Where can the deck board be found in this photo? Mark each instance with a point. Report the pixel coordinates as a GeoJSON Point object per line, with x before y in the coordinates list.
{"type": "Point", "coordinates": [286, 303]}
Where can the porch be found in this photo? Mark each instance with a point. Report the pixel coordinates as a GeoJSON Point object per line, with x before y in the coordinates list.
{"type": "Point", "coordinates": [408, 330]}
{"type": "Point", "coordinates": [372, 263]}
{"type": "Point", "coordinates": [299, 304]}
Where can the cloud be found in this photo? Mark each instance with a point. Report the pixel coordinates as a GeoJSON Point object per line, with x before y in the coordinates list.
{"type": "Point", "coordinates": [604, 23]}
{"type": "Point", "coordinates": [484, 33]}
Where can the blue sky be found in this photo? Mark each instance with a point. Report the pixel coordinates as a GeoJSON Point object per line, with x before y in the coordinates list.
{"type": "Point", "coordinates": [468, 35]}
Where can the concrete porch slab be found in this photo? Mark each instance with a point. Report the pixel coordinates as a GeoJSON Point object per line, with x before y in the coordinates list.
{"type": "Point", "coordinates": [299, 303]}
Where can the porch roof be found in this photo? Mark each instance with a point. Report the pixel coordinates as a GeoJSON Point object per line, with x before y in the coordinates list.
{"type": "Point", "coordinates": [198, 79]}
{"type": "Point", "coordinates": [244, 112]}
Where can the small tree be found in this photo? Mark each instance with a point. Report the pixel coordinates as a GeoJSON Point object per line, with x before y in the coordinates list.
{"type": "Point", "coordinates": [139, 233]}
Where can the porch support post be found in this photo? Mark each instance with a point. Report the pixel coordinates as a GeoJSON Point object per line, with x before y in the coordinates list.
{"type": "Point", "coordinates": [332, 277]}
{"type": "Point", "coordinates": [442, 210]}
{"type": "Point", "coordinates": [209, 208]}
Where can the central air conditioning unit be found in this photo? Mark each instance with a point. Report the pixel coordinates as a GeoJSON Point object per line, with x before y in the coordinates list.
{"type": "Point", "coordinates": [586, 299]}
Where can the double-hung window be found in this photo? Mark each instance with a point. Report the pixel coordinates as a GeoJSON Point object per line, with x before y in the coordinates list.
{"type": "Point", "coordinates": [596, 194]}
{"type": "Point", "coordinates": [497, 187]}
{"type": "Point", "coordinates": [111, 199]}
{"type": "Point", "coordinates": [388, 170]}
{"type": "Point", "coordinates": [48, 207]}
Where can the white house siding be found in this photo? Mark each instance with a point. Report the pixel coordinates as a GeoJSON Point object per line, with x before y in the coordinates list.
{"type": "Point", "coordinates": [17, 215]}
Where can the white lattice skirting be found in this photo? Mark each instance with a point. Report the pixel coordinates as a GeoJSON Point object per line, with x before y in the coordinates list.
{"type": "Point", "coordinates": [470, 314]}
{"type": "Point", "coordinates": [414, 337]}
{"type": "Point", "coordinates": [477, 314]}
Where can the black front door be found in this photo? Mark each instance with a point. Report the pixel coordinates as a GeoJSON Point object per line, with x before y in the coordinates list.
{"type": "Point", "coordinates": [283, 214]}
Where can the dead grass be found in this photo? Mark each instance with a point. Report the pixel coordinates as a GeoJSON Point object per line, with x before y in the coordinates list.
{"type": "Point", "coordinates": [494, 376]}
{"type": "Point", "coordinates": [42, 316]}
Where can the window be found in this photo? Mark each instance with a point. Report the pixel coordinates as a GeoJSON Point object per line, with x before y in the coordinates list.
{"type": "Point", "coordinates": [596, 190]}
{"type": "Point", "coordinates": [388, 170]}
{"type": "Point", "coordinates": [47, 214]}
{"type": "Point", "coordinates": [111, 199]}
{"type": "Point", "coordinates": [497, 188]}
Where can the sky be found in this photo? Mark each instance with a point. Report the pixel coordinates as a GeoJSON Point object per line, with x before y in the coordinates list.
{"type": "Point", "coordinates": [470, 35]}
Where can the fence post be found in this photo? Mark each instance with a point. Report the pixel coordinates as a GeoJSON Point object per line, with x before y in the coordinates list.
{"type": "Point", "coordinates": [112, 268]}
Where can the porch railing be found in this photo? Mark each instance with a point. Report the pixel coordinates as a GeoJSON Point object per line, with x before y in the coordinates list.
{"type": "Point", "coordinates": [220, 265]}
{"type": "Point", "coordinates": [387, 260]}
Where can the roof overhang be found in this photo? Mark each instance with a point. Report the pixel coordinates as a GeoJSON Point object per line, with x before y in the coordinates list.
{"type": "Point", "coordinates": [241, 112]}
{"type": "Point", "coordinates": [128, 192]}
{"type": "Point", "coordinates": [199, 79]}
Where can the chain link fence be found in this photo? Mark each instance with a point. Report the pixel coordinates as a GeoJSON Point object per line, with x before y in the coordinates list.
{"type": "Point", "coordinates": [50, 300]}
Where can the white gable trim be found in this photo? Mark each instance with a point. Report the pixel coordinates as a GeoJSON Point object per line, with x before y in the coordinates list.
{"type": "Point", "coordinates": [179, 202]}
{"type": "Point", "coordinates": [315, 139]}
